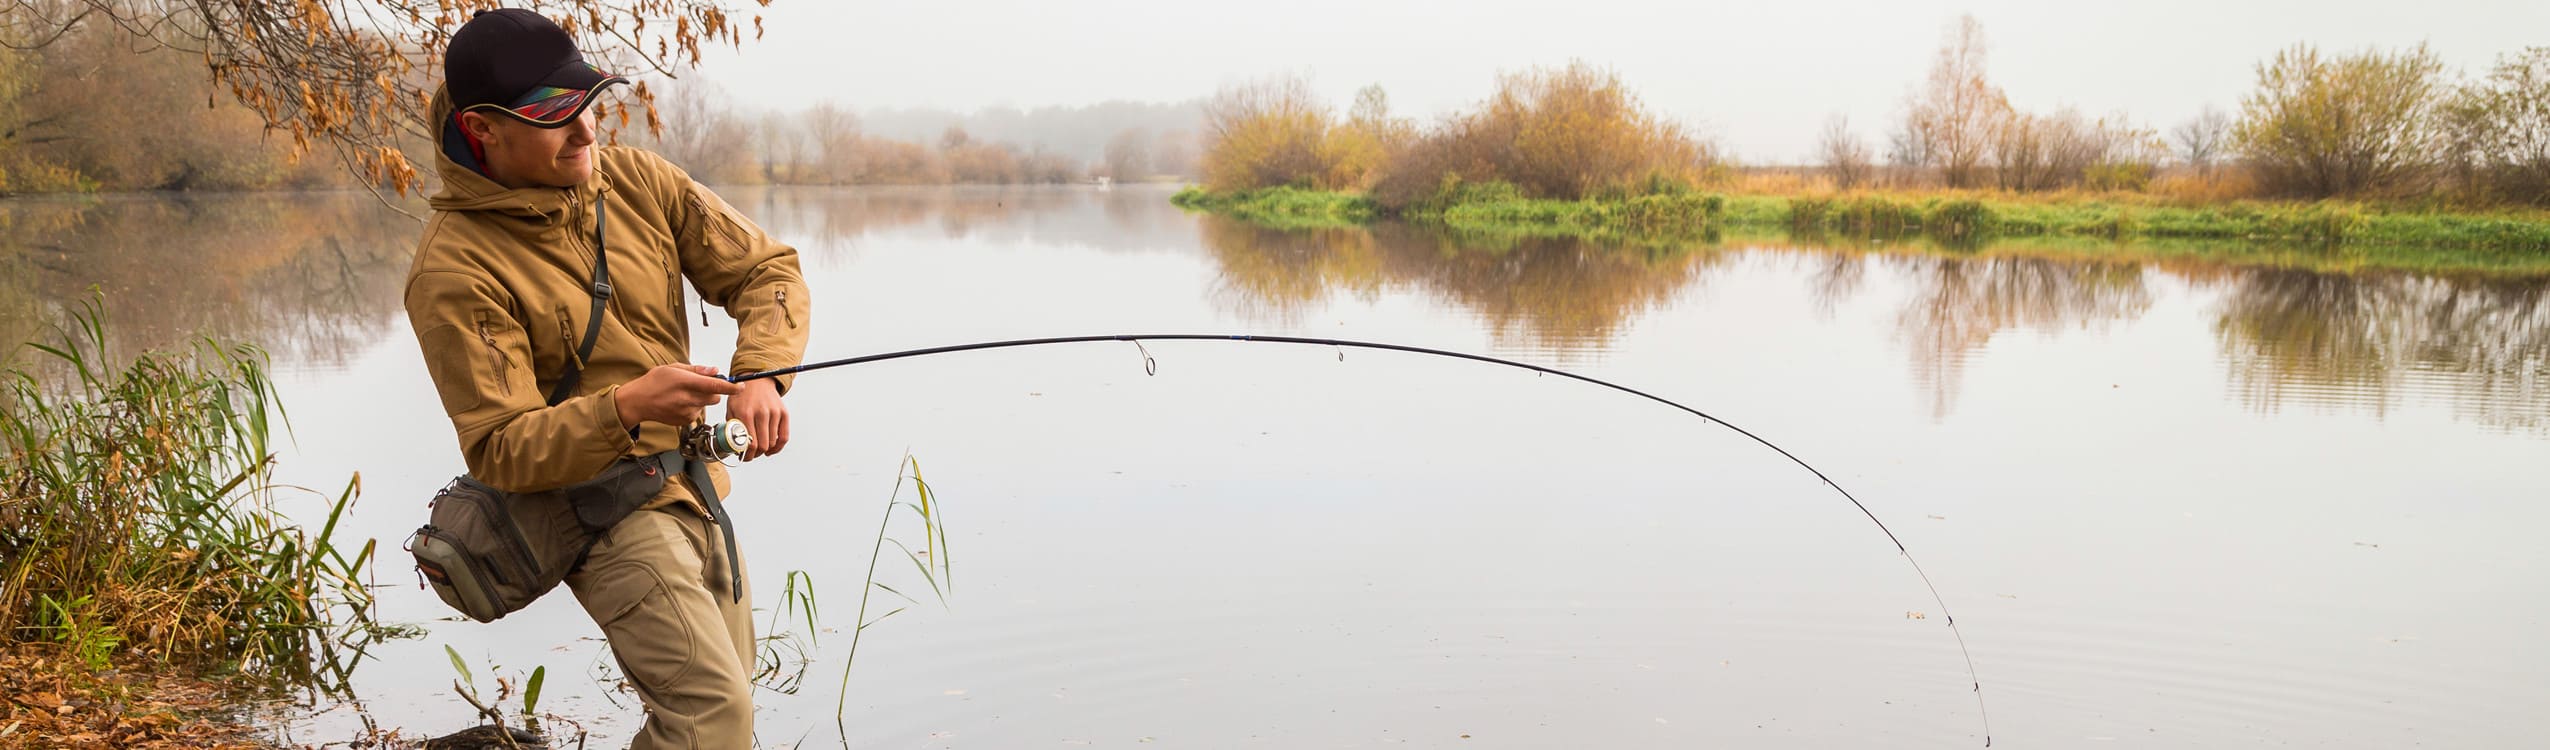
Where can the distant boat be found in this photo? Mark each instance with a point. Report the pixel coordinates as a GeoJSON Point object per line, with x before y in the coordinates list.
{"type": "Point", "coordinates": [1102, 181]}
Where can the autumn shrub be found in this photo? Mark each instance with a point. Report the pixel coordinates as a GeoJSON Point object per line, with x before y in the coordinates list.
{"type": "Point", "coordinates": [2356, 125]}
{"type": "Point", "coordinates": [1266, 134]}
{"type": "Point", "coordinates": [1563, 134]}
{"type": "Point", "coordinates": [1569, 131]}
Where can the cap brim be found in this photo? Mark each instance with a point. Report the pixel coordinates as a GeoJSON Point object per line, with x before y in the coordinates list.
{"type": "Point", "coordinates": [560, 97]}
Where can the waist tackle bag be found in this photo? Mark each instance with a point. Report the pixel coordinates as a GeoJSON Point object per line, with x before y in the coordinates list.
{"type": "Point", "coordinates": [488, 552]}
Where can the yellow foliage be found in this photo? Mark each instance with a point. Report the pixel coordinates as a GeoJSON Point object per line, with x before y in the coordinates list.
{"type": "Point", "coordinates": [1266, 134]}
{"type": "Point", "coordinates": [1578, 129]}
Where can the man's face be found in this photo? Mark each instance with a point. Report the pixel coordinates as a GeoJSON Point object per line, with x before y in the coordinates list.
{"type": "Point", "coordinates": [519, 154]}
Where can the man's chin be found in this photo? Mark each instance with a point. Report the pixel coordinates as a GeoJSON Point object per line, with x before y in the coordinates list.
{"type": "Point", "coordinates": [571, 175]}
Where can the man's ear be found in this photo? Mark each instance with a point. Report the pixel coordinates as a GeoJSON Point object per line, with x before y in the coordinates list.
{"type": "Point", "coordinates": [478, 125]}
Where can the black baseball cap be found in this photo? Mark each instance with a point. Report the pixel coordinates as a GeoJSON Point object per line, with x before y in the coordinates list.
{"type": "Point", "coordinates": [520, 63]}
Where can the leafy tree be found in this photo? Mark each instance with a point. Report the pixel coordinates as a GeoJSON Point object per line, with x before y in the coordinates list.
{"type": "Point", "coordinates": [1950, 122]}
{"type": "Point", "coordinates": [2499, 128]}
{"type": "Point", "coordinates": [2320, 126]}
{"type": "Point", "coordinates": [354, 76]}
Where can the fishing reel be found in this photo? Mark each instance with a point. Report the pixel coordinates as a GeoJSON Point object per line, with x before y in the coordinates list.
{"type": "Point", "coordinates": [716, 442]}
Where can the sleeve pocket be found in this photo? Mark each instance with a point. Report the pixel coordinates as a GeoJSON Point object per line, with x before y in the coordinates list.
{"type": "Point", "coordinates": [724, 233]}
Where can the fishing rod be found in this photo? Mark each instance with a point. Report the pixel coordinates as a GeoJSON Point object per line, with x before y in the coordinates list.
{"type": "Point", "coordinates": [1152, 367]}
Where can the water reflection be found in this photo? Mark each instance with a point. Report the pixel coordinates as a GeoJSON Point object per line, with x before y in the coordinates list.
{"type": "Point", "coordinates": [2324, 339]}
{"type": "Point", "coordinates": [2365, 342]}
{"type": "Point", "coordinates": [1957, 304]}
{"type": "Point", "coordinates": [313, 277]}
{"type": "Point", "coordinates": [1135, 218]}
{"type": "Point", "coordinates": [1563, 298]}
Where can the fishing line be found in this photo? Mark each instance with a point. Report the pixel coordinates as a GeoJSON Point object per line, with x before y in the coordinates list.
{"type": "Point", "coordinates": [1151, 367]}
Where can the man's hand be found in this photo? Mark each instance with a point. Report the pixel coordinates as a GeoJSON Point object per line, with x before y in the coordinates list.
{"type": "Point", "coordinates": [762, 413]}
{"type": "Point", "coordinates": [673, 394]}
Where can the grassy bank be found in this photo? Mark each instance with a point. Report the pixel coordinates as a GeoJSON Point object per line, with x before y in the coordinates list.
{"type": "Point", "coordinates": [138, 531]}
{"type": "Point", "coordinates": [2086, 225]}
{"type": "Point", "coordinates": [1283, 207]}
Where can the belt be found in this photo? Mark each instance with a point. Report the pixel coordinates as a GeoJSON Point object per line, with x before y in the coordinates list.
{"type": "Point", "coordinates": [697, 471]}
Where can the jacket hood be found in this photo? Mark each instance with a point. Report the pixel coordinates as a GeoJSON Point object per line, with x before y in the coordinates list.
{"type": "Point", "coordinates": [466, 189]}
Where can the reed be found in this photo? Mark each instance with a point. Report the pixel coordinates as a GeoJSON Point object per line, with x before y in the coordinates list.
{"type": "Point", "coordinates": [138, 518]}
{"type": "Point", "coordinates": [933, 561]}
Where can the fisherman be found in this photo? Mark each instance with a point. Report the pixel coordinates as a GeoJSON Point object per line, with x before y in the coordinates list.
{"type": "Point", "coordinates": [501, 296]}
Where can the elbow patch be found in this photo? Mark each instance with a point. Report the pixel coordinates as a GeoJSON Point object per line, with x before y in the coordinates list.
{"type": "Point", "coordinates": [460, 365]}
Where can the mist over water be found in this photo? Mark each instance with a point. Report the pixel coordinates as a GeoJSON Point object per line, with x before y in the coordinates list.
{"type": "Point", "coordinates": [2171, 504]}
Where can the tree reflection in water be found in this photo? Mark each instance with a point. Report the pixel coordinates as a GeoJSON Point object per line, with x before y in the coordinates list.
{"type": "Point", "coordinates": [1958, 304]}
{"type": "Point", "coordinates": [1561, 298]}
{"type": "Point", "coordinates": [2331, 340]}
{"type": "Point", "coordinates": [2367, 341]}
{"type": "Point", "coordinates": [313, 278]}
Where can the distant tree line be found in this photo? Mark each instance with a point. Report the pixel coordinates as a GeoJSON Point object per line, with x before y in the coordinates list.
{"type": "Point", "coordinates": [2370, 124]}
{"type": "Point", "coordinates": [707, 135]}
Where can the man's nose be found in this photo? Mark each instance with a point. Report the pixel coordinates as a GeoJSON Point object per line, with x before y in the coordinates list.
{"type": "Point", "coordinates": [580, 130]}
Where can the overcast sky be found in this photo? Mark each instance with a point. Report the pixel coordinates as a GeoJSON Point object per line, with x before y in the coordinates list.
{"type": "Point", "coordinates": [1761, 76]}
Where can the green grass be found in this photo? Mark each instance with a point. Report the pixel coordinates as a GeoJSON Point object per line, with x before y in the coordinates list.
{"type": "Point", "coordinates": [137, 515]}
{"type": "Point", "coordinates": [1282, 207]}
{"type": "Point", "coordinates": [2332, 235]}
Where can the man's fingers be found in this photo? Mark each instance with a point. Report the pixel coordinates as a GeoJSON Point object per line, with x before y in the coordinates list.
{"type": "Point", "coordinates": [766, 434]}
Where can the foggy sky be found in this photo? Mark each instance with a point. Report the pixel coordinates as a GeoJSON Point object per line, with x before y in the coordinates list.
{"type": "Point", "coordinates": [1760, 77]}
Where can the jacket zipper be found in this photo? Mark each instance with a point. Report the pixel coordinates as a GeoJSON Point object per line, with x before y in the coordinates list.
{"type": "Point", "coordinates": [567, 335]}
{"type": "Point", "coordinates": [504, 384]}
{"type": "Point", "coordinates": [784, 312]}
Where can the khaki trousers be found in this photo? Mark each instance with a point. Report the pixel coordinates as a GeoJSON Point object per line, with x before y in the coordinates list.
{"type": "Point", "coordinates": [657, 585]}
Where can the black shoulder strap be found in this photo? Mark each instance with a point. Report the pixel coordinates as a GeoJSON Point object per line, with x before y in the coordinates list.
{"type": "Point", "coordinates": [601, 290]}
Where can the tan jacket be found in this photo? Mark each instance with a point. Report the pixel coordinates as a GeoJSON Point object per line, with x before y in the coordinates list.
{"type": "Point", "coordinates": [497, 296]}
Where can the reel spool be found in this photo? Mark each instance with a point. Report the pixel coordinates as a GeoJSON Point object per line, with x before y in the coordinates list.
{"type": "Point", "coordinates": [716, 442]}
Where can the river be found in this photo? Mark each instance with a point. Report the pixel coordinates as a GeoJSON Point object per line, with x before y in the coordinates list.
{"type": "Point", "coordinates": [2170, 504]}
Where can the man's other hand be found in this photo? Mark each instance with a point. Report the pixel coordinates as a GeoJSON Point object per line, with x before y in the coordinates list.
{"type": "Point", "coordinates": [762, 413]}
{"type": "Point", "coordinates": [674, 394]}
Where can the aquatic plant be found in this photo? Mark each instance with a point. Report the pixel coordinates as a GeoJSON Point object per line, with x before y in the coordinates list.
{"type": "Point", "coordinates": [933, 561]}
{"type": "Point", "coordinates": [137, 514]}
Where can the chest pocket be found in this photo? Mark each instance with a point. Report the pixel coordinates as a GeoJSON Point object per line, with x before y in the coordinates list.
{"type": "Point", "coordinates": [565, 335]}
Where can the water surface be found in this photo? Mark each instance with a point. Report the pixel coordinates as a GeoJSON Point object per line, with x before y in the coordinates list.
{"type": "Point", "coordinates": [2171, 505]}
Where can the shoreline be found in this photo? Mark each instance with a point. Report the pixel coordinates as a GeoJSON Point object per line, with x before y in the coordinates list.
{"type": "Point", "coordinates": [2324, 236]}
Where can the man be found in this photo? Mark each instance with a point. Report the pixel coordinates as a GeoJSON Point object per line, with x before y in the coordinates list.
{"type": "Point", "coordinates": [500, 296]}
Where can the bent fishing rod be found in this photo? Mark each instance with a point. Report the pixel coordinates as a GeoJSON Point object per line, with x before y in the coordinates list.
{"type": "Point", "coordinates": [1151, 366]}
